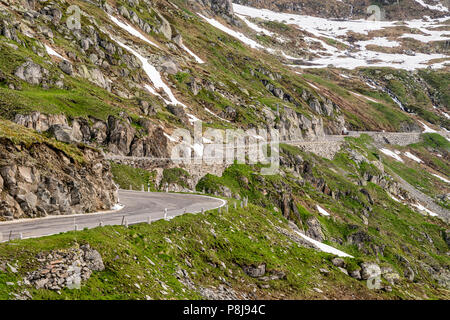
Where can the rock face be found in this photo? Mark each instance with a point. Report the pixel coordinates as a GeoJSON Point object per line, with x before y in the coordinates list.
{"type": "Point", "coordinates": [315, 229]}
{"type": "Point", "coordinates": [222, 7]}
{"type": "Point", "coordinates": [68, 268]}
{"type": "Point", "coordinates": [255, 272]}
{"type": "Point", "coordinates": [39, 122]}
{"type": "Point", "coordinates": [31, 187]}
{"type": "Point", "coordinates": [369, 270]}
{"type": "Point", "coordinates": [31, 72]}
{"type": "Point", "coordinates": [117, 134]}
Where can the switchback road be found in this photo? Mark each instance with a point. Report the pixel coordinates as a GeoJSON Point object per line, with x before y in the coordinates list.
{"type": "Point", "coordinates": [139, 207]}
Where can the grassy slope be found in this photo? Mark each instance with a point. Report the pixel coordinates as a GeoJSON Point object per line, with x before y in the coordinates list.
{"type": "Point", "coordinates": [393, 226]}
{"type": "Point", "coordinates": [243, 237]}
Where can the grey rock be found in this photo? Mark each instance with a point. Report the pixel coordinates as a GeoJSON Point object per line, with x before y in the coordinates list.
{"type": "Point", "coordinates": [164, 27]}
{"type": "Point", "coordinates": [338, 262]}
{"type": "Point", "coordinates": [356, 274]}
{"type": "Point", "coordinates": [255, 271]}
{"type": "Point", "coordinates": [120, 135]}
{"type": "Point", "coordinates": [169, 66]}
{"type": "Point", "coordinates": [409, 274]}
{"type": "Point", "coordinates": [178, 111]}
{"type": "Point", "coordinates": [315, 229]}
{"type": "Point", "coordinates": [40, 122]}
{"type": "Point", "coordinates": [31, 72]}
{"type": "Point", "coordinates": [123, 11]}
{"type": "Point", "coordinates": [62, 133]}
{"type": "Point", "coordinates": [66, 67]}
{"type": "Point", "coordinates": [93, 259]}
{"type": "Point", "coordinates": [392, 277]}
{"type": "Point", "coordinates": [370, 270]}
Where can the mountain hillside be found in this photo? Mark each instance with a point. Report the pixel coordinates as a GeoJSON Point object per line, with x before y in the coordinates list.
{"type": "Point", "coordinates": [355, 9]}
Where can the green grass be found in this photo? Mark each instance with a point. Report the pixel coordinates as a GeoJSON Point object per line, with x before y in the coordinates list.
{"type": "Point", "coordinates": [244, 237]}
{"type": "Point", "coordinates": [20, 135]}
{"type": "Point", "coordinates": [126, 176]}
{"type": "Point", "coordinates": [175, 176]}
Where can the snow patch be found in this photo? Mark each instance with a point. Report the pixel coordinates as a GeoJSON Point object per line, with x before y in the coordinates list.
{"type": "Point", "coordinates": [324, 247]}
{"type": "Point", "coordinates": [131, 30]}
{"type": "Point", "coordinates": [322, 210]}
{"type": "Point", "coordinates": [153, 74]}
{"type": "Point", "coordinates": [339, 30]}
{"type": "Point", "coordinates": [391, 154]}
{"type": "Point", "coordinates": [117, 207]}
{"type": "Point", "coordinates": [52, 52]}
{"type": "Point", "coordinates": [192, 54]}
{"type": "Point", "coordinates": [394, 198]}
{"type": "Point", "coordinates": [413, 157]}
{"type": "Point", "coordinates": [169, 137]}
{"type": "Point", "coordinates": [422, 208]}
{"type": "Point", "coordinates": [441, 178]}
{"type": "Point", "coordinates": [438, 7]}
{"type": "Point", "coordinates": [427, 129]}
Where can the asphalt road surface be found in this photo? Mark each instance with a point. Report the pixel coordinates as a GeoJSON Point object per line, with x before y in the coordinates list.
{"type": "Point", "coordinates": [139, 207]}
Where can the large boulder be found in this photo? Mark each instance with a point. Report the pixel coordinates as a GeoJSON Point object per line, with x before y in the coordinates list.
{"type": "Point", "coordinates": [31, 72]}
{"type": "Point", "coordinates": [63, 133]}
{"type": "Point", "coordinates": [222, 7]}
{"type": "Point", "coordinates": [315, 229]}
{"type": "Point", "coordinates": [120, 135]}
{"type": "Point", "coordinates": [66, 67]}
{"type": "Point", "coordinates": [169, 66]}
{"type": "Point", "coordinates": [40, 122]}
{"type": "Point", "coordinates": [255, 271]}
{"type": "Point", "coordinates": [164, 27]}
{"type": "Point", "coordinates": [370, 270]}
{"type": "Point", "coordinates": [92, 258]}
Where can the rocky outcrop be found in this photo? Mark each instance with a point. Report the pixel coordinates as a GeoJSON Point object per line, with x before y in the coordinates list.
{"type": "Point", "coordinates": [40, 122]}
{"type": "Point", "coordinates": [295, 126]}
{"type": "Point", "coordinates": [31, 72]}
{"type": "Point", "coordinates": [120, 135]}
{"type": "Point", "coordinates": [65, 268]}
{"type": "Point", "coordinates": [255, 271]}
{"type": "Point", "coordinates": [314, 229]}
{"type": "Point", "coordinates": [219, 7]}
{"type": "Point", "coordinates": [222, 8]}
{"type": "Point", "coordinates": [40, 180]}
{"type": "Point", "coordinates": [117, 133]}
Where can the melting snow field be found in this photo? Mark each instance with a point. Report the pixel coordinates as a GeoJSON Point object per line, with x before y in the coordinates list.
{"type": "Point", "coordinates": [192, 54]}
{"type": "Point", "coordinates": [438, 7]}
{"type": "Point", "coordinates": [251, 43]}
{"type": "Point", "coordinates": [52, 52]}
{"type": "Point", "coordinates": [131, 30]}
{"type": "Point", "coordinates": [153, 74]}
{"type": "Point", "coordinates": [422, 208]}
{"type": "Point", "coordinates": [427, 129]}
{"type": "Point", "coordinates": [150, 70]}
{"type": "Point", "coordinates": [413, 157]}
{"type": "Point", "coordinates": [441, 178]}
{"type": "Point", "coordinates": [360, 56]}
{"type": "Point", "coordinates": [322, 211]}
{"type": "Point", "coordinates": [391, 154]}
{"type": "Point", "coordinates": [324, 247]}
